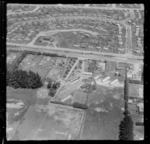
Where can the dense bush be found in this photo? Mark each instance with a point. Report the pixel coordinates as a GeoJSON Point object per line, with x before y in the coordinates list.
{"type": "Point", "coordinates": [52, 84]}
{"type": "Point", "coordinates": [139, 123]}
{"type": "Point", "coordinates": [126, 129]}
{"type": "Point", "coordinates": [53, 55]}
{"type": "Point", "coordinates": [136, 81]}
{"type": "Point", "coordinates": [23, 79]}
{"type": "Point", "coordinates": [78, 105]}
{"type": "Point", "coordinates": [52, 93]}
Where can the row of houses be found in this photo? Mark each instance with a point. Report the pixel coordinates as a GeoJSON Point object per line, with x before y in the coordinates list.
{"type": "Point", "coordinates": [108, 81]}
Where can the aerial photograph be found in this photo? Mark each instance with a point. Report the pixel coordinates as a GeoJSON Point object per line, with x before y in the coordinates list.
{"type": "Point", "coordinates": [74, 72]}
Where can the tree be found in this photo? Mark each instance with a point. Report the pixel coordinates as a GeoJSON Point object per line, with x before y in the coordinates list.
{"type": "Point", "coordinates": [92, 66]}
{"type": "Point", "coordinates": [23, 79]}
{"type": "Point", "coordinates": [49, 84]}
{"type": "Point", "coordinates": [126, 129]}
{"type": "Point", "coordinates": [126, 92]}
{"type": "Point", "coordinates": [52, 93]}
{"type": "Point", "coordinates": [8, 78]}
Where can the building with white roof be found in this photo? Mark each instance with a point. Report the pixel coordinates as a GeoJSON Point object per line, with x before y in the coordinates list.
{"type": "Point", "coordinates": [113, 82]}
{"type": "Point", "coordinates": [105, 79]}
{"type": "Point", "coordinates": [66, 98]}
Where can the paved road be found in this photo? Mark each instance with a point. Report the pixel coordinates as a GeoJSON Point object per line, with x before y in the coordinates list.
{"type": "Point", "coordinates": [79, 54]}
{"type": "Point", "coordinates": [113, 7]}
{"type": "Point", "coordinates": [77, 50]}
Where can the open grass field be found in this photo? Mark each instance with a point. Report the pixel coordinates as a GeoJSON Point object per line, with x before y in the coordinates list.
{"type": "Point", "coordinates": [66, 90]}
{"type": "Point", "coordinates": [54, 73]}
{"type": "Point", "coordinates": [55, 123]}
{"type": "Point", "coordinates": [103, 116]}
{"type": "Point", "coordinates": [69, 38]}
{"type": "Point", "coordinates": [111, 66]}
{"type": "Point", "coordinates": [104, 94]}
{"type": "Point", "coordinates": [16, 114]}
{"type": "Point", "coordinates": [29, 98]}
{"type": "Point", "coordinates": [102, 125]}
{"type": "Point", "coordinates": [28, 95]}
{"type": "Point", "coordinates": [79, 97]}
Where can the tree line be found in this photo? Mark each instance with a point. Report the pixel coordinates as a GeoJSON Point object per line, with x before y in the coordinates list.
{"type": "Point", "coordinates": [39, 53]}
{"type": "Point", "coordinates": [126, 125]}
